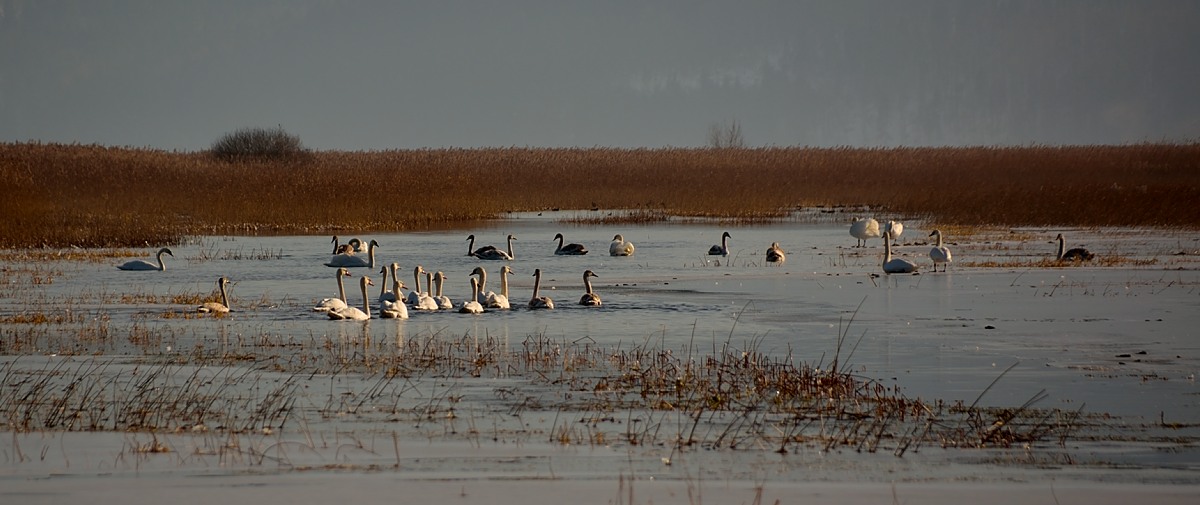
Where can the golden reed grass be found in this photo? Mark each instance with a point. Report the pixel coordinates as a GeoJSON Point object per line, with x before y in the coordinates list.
{"type": "Point", "coordinates": [62, 195]}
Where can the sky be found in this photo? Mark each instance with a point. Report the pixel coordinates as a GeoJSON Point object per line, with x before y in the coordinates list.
{"type": "Point", "coordinates": [377, 75]}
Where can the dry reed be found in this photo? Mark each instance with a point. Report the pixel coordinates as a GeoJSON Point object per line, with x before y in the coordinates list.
{"type": "Point", "coordinates": [62, 195]}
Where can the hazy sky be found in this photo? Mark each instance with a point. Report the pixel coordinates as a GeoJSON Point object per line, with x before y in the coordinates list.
{"type": "Point", "coordinates": [357, 75]}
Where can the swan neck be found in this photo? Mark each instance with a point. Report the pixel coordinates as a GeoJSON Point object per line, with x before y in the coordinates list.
{"type": "Point", "coordinates": [1062, 247]}
{"type": "Point", "coordinates": [504, 284]}
{"type": "Point", "coordinates": [341, 287]}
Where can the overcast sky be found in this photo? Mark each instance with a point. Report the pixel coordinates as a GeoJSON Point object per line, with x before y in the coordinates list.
{"type": "Point", "coordinates": [367, 75]}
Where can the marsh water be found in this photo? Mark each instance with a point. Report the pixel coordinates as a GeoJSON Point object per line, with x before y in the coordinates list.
{"type": "Point", "coordinates": [997, 328]}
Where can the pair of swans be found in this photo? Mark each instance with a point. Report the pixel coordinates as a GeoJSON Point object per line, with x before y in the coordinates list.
{"type": "Point", "coordinates": [1074, 254]}
{"type": "Point", "coordinates": [569, 249]}
{"type": "Point", "coordinates": [146, 265]}
{"type": "Point", "coordinates": [420, 300]}
{"type": "Point", "coordinates": [354, 313]}
{"type": "Point", "coordinates": [350, 260]}
{"type": "Point", "coordinates": [492, 300]}
{"type": "Point", "coordinates": [775, 254]}
{"type": "Point", "coordinates": [391, 303]}
{"type": "Point", "coordinates": [490, 252]}
{"type": "Point", "coordinates": [721, 249]}
{"type": "Point", "coordinates": [863, 230]}
{"type": "Point", "coordinates": [351, 247]}
{"type": "Point", "coordinates": [221, 307]}
{"type": "Point", "coordinates": [620, 247]}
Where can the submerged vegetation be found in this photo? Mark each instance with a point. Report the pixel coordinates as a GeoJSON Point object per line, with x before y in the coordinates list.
{"type": "Point", "coordinates": [74, 195]}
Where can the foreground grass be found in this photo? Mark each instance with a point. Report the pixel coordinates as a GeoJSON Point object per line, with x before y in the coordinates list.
{"type": "Point", "coordinates": [88, 196]}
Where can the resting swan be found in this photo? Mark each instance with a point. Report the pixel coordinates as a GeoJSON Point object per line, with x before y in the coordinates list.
{"type": "Point", "coordinates": [497, 254]}
{"type": "Point", "coordinates": [425, 300]}
{"type": "Point", "coordinates": [329, 304]}
{"type": "Point", "coordinates": [619, 247]}
{"type": "Point", "coordinates": [940, 253]}
{"type": "Point", "coordinates": [539, 302]}
{"type": "Point", "coordinates": [569, 249]}
{"type": "Point", "coordinates": [354, 313]}
{"type": "Point", "coordinates": [896, 265]}
{"type": "Point", "coordinates": [146, 265]}
{"type": "Point", "coordinates": [590, 298]}
{"type": "Point", "coordinates": [775, 253]}
{"type": "Point", "coordinates": [349, 260]}
{"type": "Point", "coordinates": [1075, 254]}
{"type": "Point", "coordinates": [863, 230]}
{"type": "Point", "coordinates": [499, 301]}
{"type": "Point", "coordinates": [443, 301]}
{"type": "Point", "coordinates": [721, 249]}
{"type": "Point", "coordinates": [472, 306]}
{"type": "Point", "coordinates": [221, 307]}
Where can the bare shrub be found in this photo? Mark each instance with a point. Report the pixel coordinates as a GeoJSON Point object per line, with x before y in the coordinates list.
{"type": "Point", "coordinates": [258, 144]}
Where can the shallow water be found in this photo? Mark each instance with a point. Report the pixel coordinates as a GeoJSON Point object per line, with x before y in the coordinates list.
{"type": "Point", "coordinates": [1116, 339]}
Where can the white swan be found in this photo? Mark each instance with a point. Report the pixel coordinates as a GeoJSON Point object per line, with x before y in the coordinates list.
{"type": "Point", "coordinates": [443, 301]}
{"type": "Point", "coordinates": [721, 249]}
{"type": "Point", "coordinates": [590, 298]}
{"type": "Point", "coordinates": [481, 296]}
{"type": "Point", "coordinates": [354, 313]}
{"type": "Point", "coordinates": [619, 247]}
{"type": "Point", "coordinates": [940, 253]}
{"type": "Point", "coordinates": [414, 296]}
{"type": "Point", "coordinates": [350, 260]}
{"type": "Point", "coordinates": [775, 253]}
{"type": "Point", "coordinates": [894, 229]}
{"type": "Point", "coordinates": [499, 300]}
{"type": "Point", "coordinates": [356, 245]}
{"type": "Point", "coordinates": [539, 302]}
{"type": "Point", "coordinates": [329, 304]}
{"type": "Point", "coordinates": [221, 307]}
{"type": "Point", "coordinates": [425, 300]}
{"type": "Point", "coordinates": [1075, 254]}
{"type": "Point", "coordinates": [472, 305]}
{"type": "Point", "coordinates": [863, 230]}
{"type": "Point", "coordinates": [384, 292]}
{"type": "Point", "coordinates": [497, 254]}
{"type": "Point", "coordinates": [146, 265]}
{"type": "Point", "coordinates": [481, 250]}
{"type": "Point", "coordinates": [569, 249]}
{"type": "Point", "coordinates": [393, 310]}
{"type": "Point", "coordinates": [895, 265]}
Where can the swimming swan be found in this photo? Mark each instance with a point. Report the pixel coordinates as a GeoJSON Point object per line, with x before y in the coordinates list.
{"type": "Point", "coordinates": [590, 298]}
{"type": "Point", "coordinates": [940, 253]}
{"type": "Point", "coordinates": [569, 249]}
{"type": "Point", "coordinates": [395, 308]}
{"type": "Point", "coordinates": [864, 229]}
{"type": "Point", "coordinates": [146, 265]}
{"type": "Point", "coordinates": [481, 296]}
{"type": "Point", "coordinates": [619, 247]}
{"type": "Point", "coordinates": [349, 260]}
{"type": "Point", "coordinates": [499, 300]}
{"type": "Point", "coordinates": [497, 254]}
{"type": "Point", "coordinates": [897, 265]}
{"type": "Point", "coordinates": [221, 307]}
{"type": "Point", "coordinates": [539, 302]}
{"type": "Point", "coordinates": [329, 304]}
{"type": "Point", "coordinates": [443, 301]}
{"type": "Point", "coordinates": [354, 313]}
{"type": "Point", "coordinates": [471, 245]}
{"type": "Point", "coordinates": [425, 300]}
{"type": "Point", "coordinates": [723, 248]}
{"type": "Point", "coordinates": [775, 253]}
{"type": "Point", "coordinates": [1075, 254]}
{"type": "Point", "coordinates": [472, 305]}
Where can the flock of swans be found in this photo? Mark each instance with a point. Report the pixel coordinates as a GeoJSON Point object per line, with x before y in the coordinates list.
{"type": "Point", "coordinates": [868, 228]}
{"type": "Point", "coordinates": [395, 305]}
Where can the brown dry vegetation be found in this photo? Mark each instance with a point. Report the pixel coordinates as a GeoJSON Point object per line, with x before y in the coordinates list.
{"type": "Point", "coordinates": [59, 195]}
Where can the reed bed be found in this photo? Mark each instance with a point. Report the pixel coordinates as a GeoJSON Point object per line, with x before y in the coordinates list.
{"type": "Point", "coordinates": [87, 196]}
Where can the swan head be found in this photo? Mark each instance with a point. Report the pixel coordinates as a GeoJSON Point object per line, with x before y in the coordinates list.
{"type": "Point", "coordinates": [344, 272]}
{"type": "Point", "coordinates": [373, 243]}
{"type": "Point", "coordinates": [589, 273]}
{"type": "Point", "coordinates": [726, 235]}
{"type": "Point", "coordinates": [439, 276]}
{"type": "Point", "coordinates": [505, 270]}
{"type": "Point", "coordinates": [1059, 237]}
{"type": "Point", "coordinates": [558, 236]}
{"type": "Point", "coordinates": [471, 237]}
{"type": "Point", "coordinates": [478, 271]}
{"type": "Point", "coordinates": [512, 237]}
{"type": "Point", "coordinates": [167, 251]}
{"type": "Point", "coordinates": [618, 238]}
{"type": "Point", "coordinates": [365, 281]}
{"type": "Point", "coordinates": [935, 232]}
{"type": "Point", "coordinates": [537, 272]}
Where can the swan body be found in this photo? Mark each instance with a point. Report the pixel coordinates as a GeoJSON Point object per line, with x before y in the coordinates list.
{"type": "Point", "coordinates": [590, 298]}
{"type": "Point", "coordinates": [394, 308]}
{"type": "Point", "coordinates": [146, 265]}
{"type": "Point", "coordinates": [569, 249]}
{"type": "Point", "coordinates": [539, 302]}
{"type": "Point", "coordinates": [721, 249]}
{"type": "Point", "coordinates": [414, 296]}
{"type": "Point", "coordinates": [221, 307]}
{"type": "Point", "coordinates": [384, 292]}
{"type": "Point", "coordinates": [480, 295]}
{"type": "Point", "coordinates": [894, 229]}
{"type": "Point", "coordinates": [895, 265]}
{"type": "Point", "coordinates": [940, 254]}
{"type": "Point", "coordinates": [350, 260]}
{"type": "Point", "coordinates": [472, 305]}
{"type": "Point", "coordinates": [425, 300]}
{"type": "Point", "coordinates": [443, 301]}
{"type": "Point", "coordinates": [1075, 254]}
{"type": "Point", "coordinates": [775, 253]}
{"type": "Point", "coordinates": [476, 252]}
{"type": "Point", "coordinates": [619, 247]}
{"type": "Point", "coordinates": [329, 304]}
{"type": "Point", "coordinates": [499, 300]}
{"type": "Point", "coordinates": [497, 254]}
{"type": "Point", "coordinates": [863, 230]}
{"type": "Point", "coordinates": [354, 313]}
